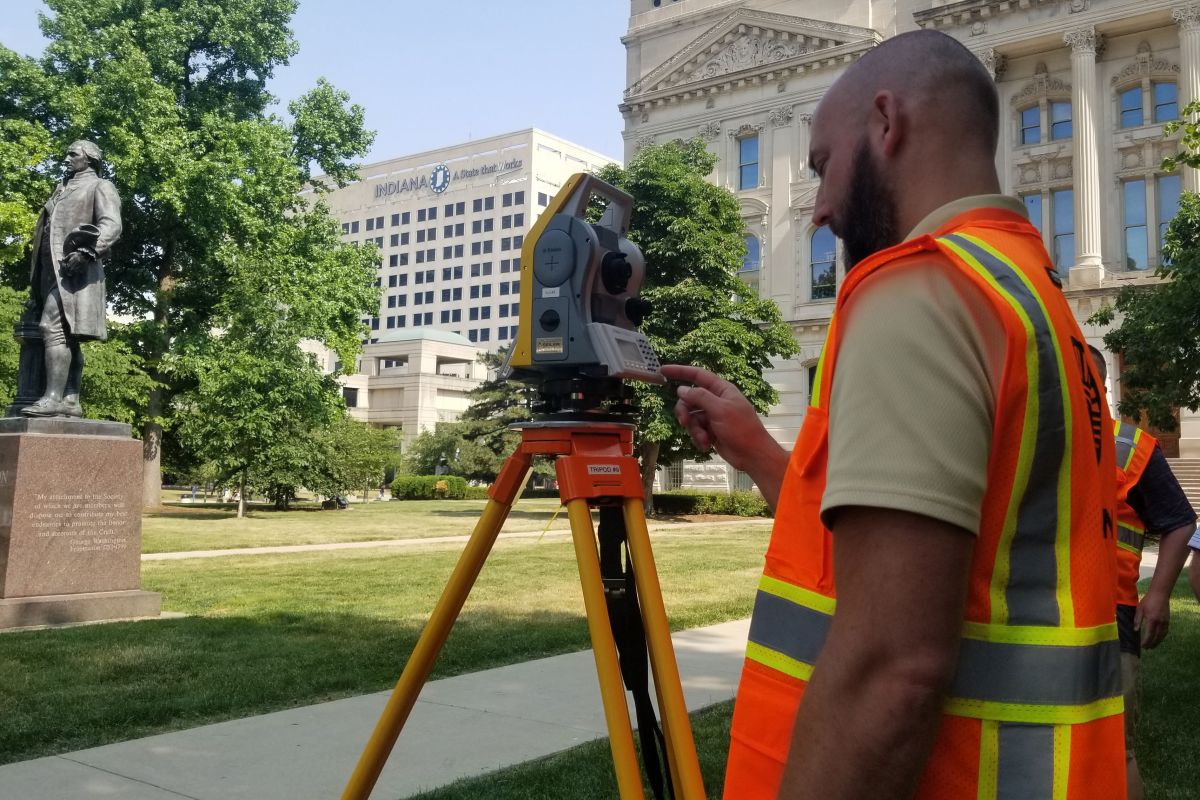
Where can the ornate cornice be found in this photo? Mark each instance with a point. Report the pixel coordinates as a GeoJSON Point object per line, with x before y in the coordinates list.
{"type": "Point", "coordinates": [746, 130]}
{"type": "Point", "coordinates": [1187, 17]}
{"type": "Point", "coordinates": [970, 13]}
{"type": "Point", "coordinates": [746, 39]}
{"type": "Point", "coordinates": [1042, 85]}
{"type": "Point", "coordinates": [1144, 65]}
{"type": "Point", "coordinates": [710, 131]}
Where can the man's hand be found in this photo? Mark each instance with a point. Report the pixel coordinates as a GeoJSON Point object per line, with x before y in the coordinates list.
{"type": "Point", "coordinates": [1153, 615]}
{"type": "Point", "coordinates": [73, 264]}
{"type": "Point", "coordinates": [1153, 618]}
{"type": "Point", "coordinates": [719, 417]}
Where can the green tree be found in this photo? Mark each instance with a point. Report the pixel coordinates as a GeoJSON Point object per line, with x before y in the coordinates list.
{"type": "Point", "coordinates": [1158, 336]}
{"type": "Point", "coordinates": [174, 91]}
{"type": "Point", "coordinates": [693, 240]}
{"type": "Point", "coordinates": [444, 450]}
{"type": "Point", "coordinates": [354, 456]}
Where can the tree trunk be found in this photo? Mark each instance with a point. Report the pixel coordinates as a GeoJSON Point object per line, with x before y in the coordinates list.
{"type": "Point", "coordinates": [156, 349]}
{"type": "Point", "coordinates": [649, 467]}
{"type": "Point", "coordinates": [152, 453]}
{"type": "Point", "coordinates": [242, 496]}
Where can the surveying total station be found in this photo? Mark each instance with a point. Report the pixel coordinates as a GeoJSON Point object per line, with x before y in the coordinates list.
{"type": "Point", "coordinates": [577, 340]}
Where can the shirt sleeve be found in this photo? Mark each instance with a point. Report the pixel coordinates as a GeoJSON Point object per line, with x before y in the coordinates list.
{"type": "Point", "coordinates": [1158, 498]}
{"type": "Point", "coordinates": [913, 398]}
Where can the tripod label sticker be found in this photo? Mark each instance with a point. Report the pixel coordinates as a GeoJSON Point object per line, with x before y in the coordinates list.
{"type": "Point", "coordinates": [548, 345]}
{"type": "Point", "coordinates": [604, 469]}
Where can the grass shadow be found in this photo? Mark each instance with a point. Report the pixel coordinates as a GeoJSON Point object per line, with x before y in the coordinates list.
{"type": "Point", "coordinates": [73, 688]}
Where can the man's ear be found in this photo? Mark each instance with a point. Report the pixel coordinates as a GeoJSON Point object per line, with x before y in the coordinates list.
{"type": "Point", "coordinates": [889, 121]}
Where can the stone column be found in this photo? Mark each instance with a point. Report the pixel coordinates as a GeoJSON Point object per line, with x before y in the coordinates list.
{"type": "Point", "coordinates": [772, 280]}
{"type": "Point", "coordinates": [1188, 19]}
{"type": "Point", "coordinates": [1084, 43]}
{"type": "Point", "coordinates": [803, 137]}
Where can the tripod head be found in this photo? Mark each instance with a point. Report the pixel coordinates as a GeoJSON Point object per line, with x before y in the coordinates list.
{"type": "Point", "coordinates": [577, 336]}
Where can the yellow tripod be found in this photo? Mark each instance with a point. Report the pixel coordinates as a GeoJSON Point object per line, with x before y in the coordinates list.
{"type": "Point", "coordinates": [594, 464]}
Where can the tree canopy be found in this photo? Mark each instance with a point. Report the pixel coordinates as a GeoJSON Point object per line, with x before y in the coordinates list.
{"type": "Point", "coordinates": [218, 191]}
{"type": "Point", "coordinates": [693, 239]}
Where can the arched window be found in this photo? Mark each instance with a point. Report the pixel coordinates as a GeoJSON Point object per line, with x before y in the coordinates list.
{"type": "Point", "coordinates": [753, 258]}
{"type": "Point", "coordinates": [822, 256]}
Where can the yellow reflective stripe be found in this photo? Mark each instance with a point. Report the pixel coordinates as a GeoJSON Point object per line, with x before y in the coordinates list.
{"type": "Point", "coordinates": [1001, 569]}
{"type": "Point", "coordinates": [1062, 547]}
{"type": "Point", "coordinates": [1040, 634]}
{"type": "Point", "coordinates": [797, 594]}
{"type": "Point", "coordinates": [818, 379]}
{"type": "Point", "coordinates": [1062, 761]}
{"type": "Point", "coordinates": [989, 760]}
{"type": "Point", "coordinates": [1041, 715]}
{"type": "Point", "coordinates": [1129, 548]}
{"type": "Point", "coordinates": [778, 661]}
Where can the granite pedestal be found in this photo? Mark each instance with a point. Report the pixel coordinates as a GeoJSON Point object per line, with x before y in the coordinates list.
{"type": "Point", "coordinates": [70, 523]}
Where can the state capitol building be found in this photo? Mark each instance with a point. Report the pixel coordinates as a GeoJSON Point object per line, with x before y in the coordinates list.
{"type": "Point", "coordinates": [1085, 87]}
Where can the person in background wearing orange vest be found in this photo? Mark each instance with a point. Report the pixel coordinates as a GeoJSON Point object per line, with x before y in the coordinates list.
{"type": "Point", "coordinates": [1149, 501]}
{"type": "Point", "coordinates": [936, 613]}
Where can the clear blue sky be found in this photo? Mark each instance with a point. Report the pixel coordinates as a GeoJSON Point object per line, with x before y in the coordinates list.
{"type": "Point", "coordinates": [432, 74]}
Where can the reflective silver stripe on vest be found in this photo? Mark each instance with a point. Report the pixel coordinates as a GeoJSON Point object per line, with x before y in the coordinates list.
{"type": "Point", "coordinates": [1031, 592]}
{"type": "Point", "coordinates": [996, 672]}
{"type": "Point", "coordinates": [1025, 762]}
{"type": "Point", "coordinates": [1131, 537]}
{"type": "Point", "coordinates": [1125, 438]}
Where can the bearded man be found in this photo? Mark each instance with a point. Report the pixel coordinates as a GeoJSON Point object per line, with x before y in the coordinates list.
{"type": "Point", "coordinates": [936, 615]}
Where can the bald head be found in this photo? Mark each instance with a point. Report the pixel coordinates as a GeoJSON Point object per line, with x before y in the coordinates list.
{"type": "Point", "coordinates": [945, 85]}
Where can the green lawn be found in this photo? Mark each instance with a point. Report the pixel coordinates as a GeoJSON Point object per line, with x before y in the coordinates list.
{"type": "Point", "coordinates": [1165, 746]}
{"type": "Point", "coordinates": [199, 527]}
{"type": "Point", "coordinates": [274, 631]}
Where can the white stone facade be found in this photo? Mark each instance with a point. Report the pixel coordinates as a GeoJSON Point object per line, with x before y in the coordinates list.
{"type": "Point", "coordinates": [410, 379]}
{"type": "Point", "coordinates": [746, 75]}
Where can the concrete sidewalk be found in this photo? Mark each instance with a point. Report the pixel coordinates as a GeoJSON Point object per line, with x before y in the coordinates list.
{"type": "Point", "coordinates": [463, 726]}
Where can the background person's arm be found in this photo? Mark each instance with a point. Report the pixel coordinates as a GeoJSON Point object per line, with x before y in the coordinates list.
{"type": "Point", "coordinates": [873, 707]}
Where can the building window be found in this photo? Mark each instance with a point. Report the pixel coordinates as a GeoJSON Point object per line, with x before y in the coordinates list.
{"type": "Point", "coordinates": [504, 287]}
{"type": "Point", "coordinates": [447, 251]}
{"type": "Point", "coordinates": [748, 162]}
{"type": "Point", "coordinates": [506, 201]}
{"type": "Point", "coordinates": [1137, 246]}
{"type": "Point", "coordinates": [448, 211]}
{"type": "Point", "coordinates": [458, 229]}
{"type": "Point", "coordinates": [1060, 120]}
{"type": "Point", "coordinates": [477, 204]}
{"type": "Point", "coordinates": [1062, 211]}
{"type": "Point", "coordinates": [489, 203]}
{"type": "Point", "coordinates": [446, 273]}
{"type": "Point", "coordinates": [393, 260]}
{"type": "Point", "coordinates": [444, 317]}
{"type": "Point", "coordinates": [433, 213]}
{"type": "Point", "coordinates": [458, 271]}
{"type": "Point", "coordinates": [420, 215]}
{"type": "Point", "coordinates": [405, 217]}
{"type": "Point", "coordinates": [457, 295]}
{"type": "Point", "coordinates": [391, 281]}
{"type": "Point", "coordinates": [460, 207]}
{"type": "Point", "coordinates": [518, 240]}
{"type": "Point", "coordinates": [753, 258]}
{"type": "Point", "coordinates": [456, 315]}
{"type": "Point", "coordinates": [484, 335]}
{"type": "Point", "coordinates": [1166, 102]}
{"type": "Point", "coordinates": [345, 227]}
{"type": "Point", "coordinates": [395, 220]}
{"type": "Point", "coordinates": [404, 238]}
{"type": "Point", "coordinates": [822, 253]}
{"type": "Point", "coordinates": [542, 199]}
{"type": "Point", "coordinates": [475, 291]}
{"type": "Point", "coordinates": [506, 221]}
{"type": "Point", "coordinates": [354, 226]}
{"type": "Point", "coordinates": [370, 224]}
{"type": "Point", "coordinates": [447, 231]}
{"type": "Point", "coordinates": [812, 381]}
{"type": "Point", "coordinates": [477, 226]}
{"type": "Point", "coordinates": [350, 395]}
{"type": "Point", "coordinates": [394, 240]}
{"type": "Point", "coordinates": [487, 290]}
{"type": "Point", "coordinates": [1131, 107]}
{"type": "Point", "coordinates": [404, 259]}
{"type": "Point", "coordinates": [519, 220]}
{"type": "Point", "coordinates": [473, 335]}
{"type": "Point", "coordinates": [421, 235]}
{"type": "Point", "coordinates": [1167, 188]}
{"type": "Point", "coordinates": [474, 312]}
{"type": "Point", "coordinates": [420, 256]}
{"type": "Point", "coordinates": [1033, 207]}
{"type": "Point", "coordinates": [404, 280]}
{"type": "Point", "coordinates": [505, 243]}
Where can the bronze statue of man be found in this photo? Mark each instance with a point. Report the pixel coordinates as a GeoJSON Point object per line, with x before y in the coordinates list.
{"type": "Point", "coordinates": [77, 227]}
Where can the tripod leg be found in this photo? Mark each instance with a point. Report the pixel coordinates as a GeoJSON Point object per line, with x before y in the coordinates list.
{"type": "Point", "coordinates": [677, 728]}
{"type": "Point", "coordinates": [612, 690]}
{"type": "Point", "coordinates": [416, 672]}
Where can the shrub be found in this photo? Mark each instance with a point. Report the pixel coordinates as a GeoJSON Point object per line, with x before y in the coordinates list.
{"type": "Point", "coordinates": [477, 493]}
{"type": "Point", "coordinates": [690, 501]}
{"type": "Point", "coordinates": [429, 487]}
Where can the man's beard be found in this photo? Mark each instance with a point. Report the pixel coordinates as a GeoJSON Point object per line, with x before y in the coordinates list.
{"type": "Point", "coordinates": [868, 218]}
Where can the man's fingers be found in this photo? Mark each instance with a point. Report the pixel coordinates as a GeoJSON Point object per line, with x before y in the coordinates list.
{"type": "Point", "coordinates": [697, 376]}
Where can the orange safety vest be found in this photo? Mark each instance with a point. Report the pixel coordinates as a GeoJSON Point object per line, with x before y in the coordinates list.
{"type": "Point", "coordinates": [1034, 710]}
{"type": "Point", "coordinates": [1134, 448]}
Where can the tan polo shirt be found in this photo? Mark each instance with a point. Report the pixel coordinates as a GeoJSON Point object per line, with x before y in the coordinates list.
{"type": "Point", "coordinates": [914, 393]}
